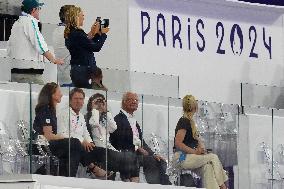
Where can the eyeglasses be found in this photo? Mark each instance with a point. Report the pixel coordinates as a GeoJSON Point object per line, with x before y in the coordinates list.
{"type": "Point", "coordinates": [99, 100]}
{"type": "Point", "coordinates": [132, 100]}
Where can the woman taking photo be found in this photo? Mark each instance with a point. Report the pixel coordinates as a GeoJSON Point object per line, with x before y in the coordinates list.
{"type": "Point", "coordinates": [82, 46]}
{"type": "Point", "coordinates": [190, 151]}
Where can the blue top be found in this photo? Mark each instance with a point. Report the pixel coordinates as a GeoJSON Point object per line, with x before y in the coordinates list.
{"type": "Point", "coordinates": [45, 116]}
{"type": "Point", "coordinates": [82, 48]}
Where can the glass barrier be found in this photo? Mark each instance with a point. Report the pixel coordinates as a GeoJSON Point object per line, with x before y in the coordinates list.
{"type": "Point", "coordinates": [262, 95]}
{"type": "Point", "coordinates": [249, 145]}
{"type": "Point", "coordinates": [278, 149]}
{"type": "Point", "coordinates": [113, 79]}
{"type": "Point", "coordinates": [141, 83]}
{"type": "Point", "coordinates": [40, 162]}
{"type": "Point", "coordinates": [6, 23]}
{"type": "Point", "coordinates": [154, 84]}
{"type": "Point", "coordinates": [2, 29]}
{"type": "Point", "coordinates": [6, 63]}
{"type": "Point", "coordinates": [155, 129]}
{"type": "Point", "coordinates": [49, 31]}
{"type": "Point", "coordinates": [255, 145]}
{"type": "Point", "coordinates": [14, 142]}
{"type": "Point", "coordinates": [175, 112]}
{"type": "Point", "coordinates": [3, 47]}
{"type": "Point", "coordinates": [218, 127]}
{"type": "Point", "coordinates": [124, 139]}
{"type": "Point", "coordinates": [176, 175]}
{"type": "Point", "coordinates": [97, 115]}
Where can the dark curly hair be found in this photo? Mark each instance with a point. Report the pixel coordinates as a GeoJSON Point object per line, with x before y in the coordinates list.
{"type": "Point", "coordinates": [89, 110]}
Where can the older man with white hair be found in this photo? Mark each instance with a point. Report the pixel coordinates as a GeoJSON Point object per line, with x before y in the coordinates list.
{"type": "Point", "coordinates": [128, 137]}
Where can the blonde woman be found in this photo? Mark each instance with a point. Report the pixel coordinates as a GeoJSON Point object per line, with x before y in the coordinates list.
{"type": "Point", "coordinates": [82, 46]}
{"type": "Point", "coordinates": [190, 152]}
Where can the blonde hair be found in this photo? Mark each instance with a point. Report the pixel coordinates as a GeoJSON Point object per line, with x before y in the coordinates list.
{"type": "Point", "coordinates": [190, 106]}
{"type": "Point", "coordinates": [71, 20]}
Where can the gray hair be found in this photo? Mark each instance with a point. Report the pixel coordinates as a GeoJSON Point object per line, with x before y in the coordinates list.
{"type": "Point", "coordinates": [125, 96]}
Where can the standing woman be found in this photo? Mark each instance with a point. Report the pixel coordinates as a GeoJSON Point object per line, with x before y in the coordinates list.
{"type": "Point", "coordinates": [190, 151]}
{"type": "Point", "coordinates": [82, 46]}
{"type": "Point", "coordinates": [45, 124]}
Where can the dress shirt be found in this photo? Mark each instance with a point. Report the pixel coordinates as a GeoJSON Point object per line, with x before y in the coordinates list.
{"type": "Point", "coordinates": [132, 121]}
{"type": "Point", "coordinates": [78, 128]}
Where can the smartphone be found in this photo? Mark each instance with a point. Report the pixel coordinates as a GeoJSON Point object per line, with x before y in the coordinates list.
{"type": "Point", "coordinates": [105, 23]}
{"type": "Point", "coordinates": [98, 19]}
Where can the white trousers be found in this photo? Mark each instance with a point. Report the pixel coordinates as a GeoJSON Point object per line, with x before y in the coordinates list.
{"type": "Point", "coordinates": [208, 166]}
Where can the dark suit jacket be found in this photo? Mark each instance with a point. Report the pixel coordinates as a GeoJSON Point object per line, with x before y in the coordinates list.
{"type": "Point", "coordinates": [122, 137]}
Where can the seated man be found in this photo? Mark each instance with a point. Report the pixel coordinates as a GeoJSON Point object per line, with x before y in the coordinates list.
{"type": "Point", "coordinates": [91, 155]}
{"type": "Point", "coordinates": [100, 124]}
{"type": "Point", "coordinates": [128, 137]}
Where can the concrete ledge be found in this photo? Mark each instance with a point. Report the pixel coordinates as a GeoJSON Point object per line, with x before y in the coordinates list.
{"type": "Point", "coordinates": [70, 182]}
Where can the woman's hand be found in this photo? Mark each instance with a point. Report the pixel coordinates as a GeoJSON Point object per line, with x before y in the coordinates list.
{"type": "Point", "coordinates": [201, 146]}
{"type": "Point", "coordinates": [199, 151]}
{"type": "Point", "coordinates": [95, 28]}
{"type": "Point", "coordinates": [105, 30]}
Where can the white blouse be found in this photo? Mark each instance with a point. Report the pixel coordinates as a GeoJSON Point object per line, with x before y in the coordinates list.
{"type": "Point", "coordinates": [102, 129]}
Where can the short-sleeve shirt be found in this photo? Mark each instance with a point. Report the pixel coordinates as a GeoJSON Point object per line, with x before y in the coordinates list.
{"type": "Point", "coordinates": [45, 116]}
{"type": "Point", "coordinates": [188, 140]}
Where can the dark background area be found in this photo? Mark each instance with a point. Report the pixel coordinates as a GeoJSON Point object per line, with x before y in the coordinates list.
{"type": "Point", "coordinates": [268, 2]}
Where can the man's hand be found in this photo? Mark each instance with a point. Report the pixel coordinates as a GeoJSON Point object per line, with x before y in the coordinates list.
{"type": "Point", "coordinates": [58, 61]}
{"type": "Point", "coordinates": [159, 158]}
{"type": "Point", "coordinates": [52, 59]}
{"type": "Point", "coordinates": [88, 146]}
{"type": "Point", "coordinates": [142, 151]}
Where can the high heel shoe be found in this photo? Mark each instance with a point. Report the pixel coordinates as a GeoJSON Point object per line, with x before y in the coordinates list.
{"type": "Point", "coordinates": [99, 173]}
